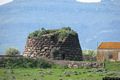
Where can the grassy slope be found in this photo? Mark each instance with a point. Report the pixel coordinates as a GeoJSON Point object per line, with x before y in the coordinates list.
{"type": "Point", "coordinates": [50, 74]}
{"type": "Point", "coordinates": [113, 69]}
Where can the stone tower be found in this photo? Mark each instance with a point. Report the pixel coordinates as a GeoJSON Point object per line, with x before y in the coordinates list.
{"type": "Point", "coordinates": [60, 44]}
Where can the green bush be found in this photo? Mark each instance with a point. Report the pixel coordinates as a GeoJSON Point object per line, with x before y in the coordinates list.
{"type": "Point", "coordinates": [41, 63]}
{"type": "Point", "coordinates": [67, 28]}
{"type": "Point", "coordinates": [26, 63]}
{"type": "Point", "coordinates": [12, 52]}
{"type": "Point", "coordinates": [61, 33]}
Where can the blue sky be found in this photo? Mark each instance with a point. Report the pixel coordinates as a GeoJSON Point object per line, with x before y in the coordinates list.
{"type": "Point", "coordinates": [94, 22]}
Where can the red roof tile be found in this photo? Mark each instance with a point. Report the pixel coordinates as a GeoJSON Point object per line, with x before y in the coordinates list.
{"type": "Point", "coordinates": [109, 45]}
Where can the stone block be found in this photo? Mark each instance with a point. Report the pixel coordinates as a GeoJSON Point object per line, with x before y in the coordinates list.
{"type": "Point", "coordinates": [43, 46]}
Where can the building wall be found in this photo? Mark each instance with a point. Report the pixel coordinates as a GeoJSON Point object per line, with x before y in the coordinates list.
{"type": "Point", "coordinates": [108, 54]}
{"type": "Point", "coordinates": [69, 48]}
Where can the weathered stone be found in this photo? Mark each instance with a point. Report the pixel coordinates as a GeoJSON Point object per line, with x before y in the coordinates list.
{"type": "Point", "coordinates": [68, 49]}
{"type": "Point", "coordinates": [45, 47]}
{"type": "Point", "coordinates": [42, 50]}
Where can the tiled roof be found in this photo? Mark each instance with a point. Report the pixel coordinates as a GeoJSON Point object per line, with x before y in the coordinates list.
{"type": "Point", "coordinates": [109, 45]}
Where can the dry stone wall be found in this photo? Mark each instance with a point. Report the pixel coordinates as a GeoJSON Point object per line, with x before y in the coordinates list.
{"type": "Point", "coordinates": [79, 64]}
{"type": "Point", "coordinates": [48, 46]}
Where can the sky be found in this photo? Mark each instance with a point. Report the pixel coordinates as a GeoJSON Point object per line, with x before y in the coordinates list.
{"type": "Point", "coordinates": [95, 21]}
{"type": "Point", "coordinates": [89, 1]}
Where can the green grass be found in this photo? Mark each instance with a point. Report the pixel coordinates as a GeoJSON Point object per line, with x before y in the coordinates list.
{"type": "Point", "coordinates": [113, 66]}
{"type": "Point", "coordinates": [111, 70]}
{"type": "Point", "coordinates": [55, 74]}
{"type": "Point", "coordinates": [50, 74]}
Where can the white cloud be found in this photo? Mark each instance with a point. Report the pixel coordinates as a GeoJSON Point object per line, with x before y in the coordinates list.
{"type": "Point", "coordinates": [100, 33]}
{"type": "Point", "coordinates": [2, 2]}
{"type": "Point", "coordinates": [88, 40]}
{"type": "Point", "coordinates": [89, 1]}
{"type": "Point", "coordinates": [106, 31]}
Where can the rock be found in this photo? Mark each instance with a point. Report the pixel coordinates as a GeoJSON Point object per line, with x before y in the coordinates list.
{"type": "Point", "coordinates": [66, 49]}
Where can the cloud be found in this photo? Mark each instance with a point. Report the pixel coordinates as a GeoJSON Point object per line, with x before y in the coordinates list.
{"type": "Point", "coordinates": [2, 2]}
{"type": "Point", "coordinates": [90, 39]}
{"type": "Point", "coordinates": [89, 1]}
{"type": "Point", "coordinates": [98, 34]}
{"type": "Point", "coordinates": [106, 31]}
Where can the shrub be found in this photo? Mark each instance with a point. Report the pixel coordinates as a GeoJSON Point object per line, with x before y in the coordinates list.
{"type": "Point", "coordinates": [41, 63]}
{"type": "Point", "coordinates": [35, 34]}
{"type": "Point", "coordinates": [26, 63]}
{"type": "Point", "coordinates": [12, 52]}
{"type": "Point", "coordinates": [61, 33]}
{"type": "Point", "coordinates": [65, 32]}
{"type": "Point", "coordinates": [67, 28]}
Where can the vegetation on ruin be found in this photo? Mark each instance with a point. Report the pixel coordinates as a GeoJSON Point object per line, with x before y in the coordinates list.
{"type": "Point", "coordinates": [60, 33]}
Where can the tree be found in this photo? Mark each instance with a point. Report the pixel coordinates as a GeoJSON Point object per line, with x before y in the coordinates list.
{"type": "Point", "coordinates": [12, 52]}
{"type": "Point", "coordinates": [91, 53]}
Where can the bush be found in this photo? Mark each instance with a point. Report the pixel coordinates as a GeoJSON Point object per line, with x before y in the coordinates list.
{"type": "Point", "coordinates": [34, 34]}
{"type": "Point", "coordinates": [26, 63]}
{"type": "Point", "coordinates": [67, 28]}
{"type": "Point", "coordinates": [12, 52]}
{"type": "Point", "coordinates": [41, 63]}
{"type": "Point", "coordinates": [61, 33]}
